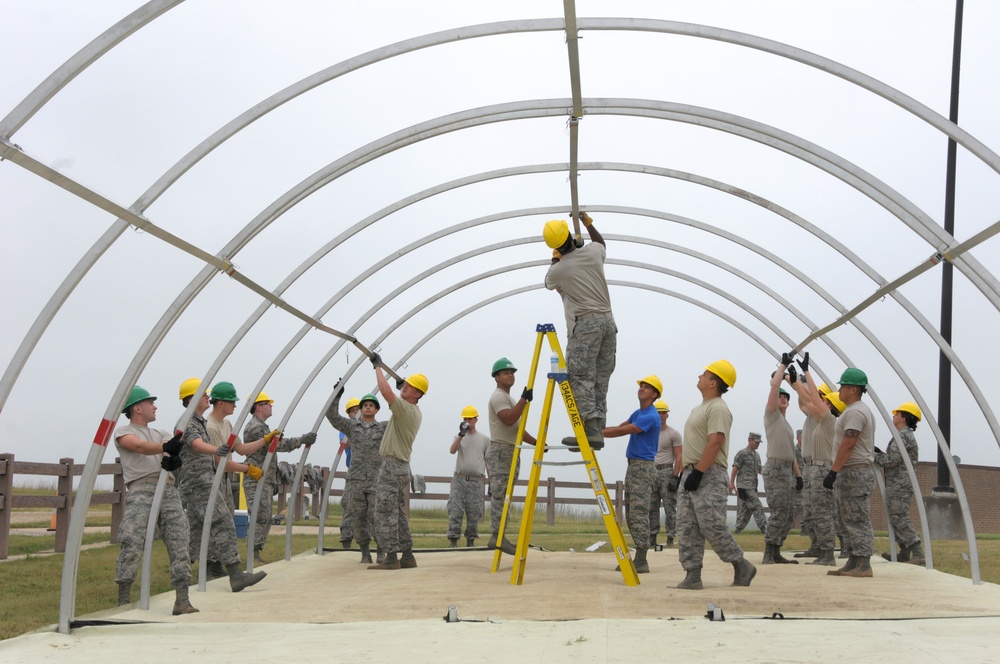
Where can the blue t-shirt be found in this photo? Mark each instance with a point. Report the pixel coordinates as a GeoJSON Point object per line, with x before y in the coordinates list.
{"type": "Point", "coordinates": [644, 445]}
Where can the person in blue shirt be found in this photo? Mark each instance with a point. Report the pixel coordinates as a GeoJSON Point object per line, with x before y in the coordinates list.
{"type": "Point", "coordinates": [643, 430]}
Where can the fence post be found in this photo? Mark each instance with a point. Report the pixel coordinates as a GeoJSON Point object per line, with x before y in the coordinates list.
{"type": "Point", "coordinates": [550, 497]}
{"type": "Point", "coordinates": [118, 500]}
{"type": "Point", "coordinates": [297, 508]}
{"type": "Point", "coordinates": [620, 501]}
{"type": "Point", "coordinates": [281, 500]}
{"type": "Point", "coordinates": [6, 501]}
{"type": "Point", "coordinates": [65, 491]}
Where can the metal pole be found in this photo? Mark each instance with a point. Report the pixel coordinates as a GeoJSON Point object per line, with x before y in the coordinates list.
{"type": "Point", "coordinates": [947, 272]}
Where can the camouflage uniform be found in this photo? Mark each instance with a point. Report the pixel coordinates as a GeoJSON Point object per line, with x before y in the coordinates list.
{"type": "Point", "coordinates": [392, 529]}
{"type": "Point", "coordinates": [819, 505]}
{"type": "Point", "coordinates": [660, 494]}
{"type": "Point", "coordinates": [498, 459]}
{"type": "Point", "coordinates": [798, 512]}
{"type": "Point", "coordinates": [853, 491]}
{"type": "Point", "coordinates": [590, 361]}
{"type": "Point", "coordinates": [779, 483]}
{"type": "Point", "coordinates": [638, 487]}
{"type": "Point", "coordinates": [256, 429]}
{"type": "Point", "coordinates": [898, 489]}
{"type": "Point", "coordinates": [363, 474]}
{"type": "Point", "coordinates": [172, 522]}
{"type": "Point", "coordinates": [197, 474]}
{"type": "Point", "coordinates": [701, 515]}
{"type": "Point", "coordinates": [465, 498]}
{"type": "Point", "coordinates": [747, 463]}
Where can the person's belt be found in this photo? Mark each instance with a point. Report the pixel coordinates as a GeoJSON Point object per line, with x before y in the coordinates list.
{"type": "Point", "coordinates": [664, 466]}
{"type": "Point", "coordinates": [818, 463]}
{"type": "Point", "coordinates": [468, 477]}
{"type": "Point", "coordinates": [780, 463]}
{"type": "Point", "coordinates": [148, 479]}
{"type": "Point", "coordinates": [606, 314]}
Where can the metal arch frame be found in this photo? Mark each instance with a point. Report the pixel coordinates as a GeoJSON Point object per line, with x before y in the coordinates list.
{"type": "Point", "coordinates": [113, 36]}
{"type": "Point", "coordinates": [843, 72]}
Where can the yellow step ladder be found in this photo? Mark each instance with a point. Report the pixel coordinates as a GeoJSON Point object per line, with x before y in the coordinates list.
{"type": "Point", "coordinates": [560, 378]}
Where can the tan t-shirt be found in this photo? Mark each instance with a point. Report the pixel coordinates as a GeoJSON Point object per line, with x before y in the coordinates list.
{"type": "Point", "coordinates": [505, 434]}
{"type": "Point", "coordinates": [823, 436]}
{"type": "Point", "coordinates": [669, 439]}
{"type": "Point", "coordinates": [780, 437]}
{"type": "Point", "coordinates": [218, 430]}
{"type": "Point", "coordinates": [472, 454]}
{"type": "Point", "coordinates": [401, 431]}
{"type": "Point", "coordinates": [711, 416]}
{"type": "Point", "coordinates": [859, 417]}
{"type": "Point", "coordinates": [134, 465]}
{"type": "Point", "coordinates": [579, 279]}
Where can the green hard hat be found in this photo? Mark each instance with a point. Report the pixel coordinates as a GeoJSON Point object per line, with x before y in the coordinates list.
{"type": "Point", "coordinates": [852, 376]}
{"type": "Point", "coordinates": [501, 364]}
{"type": "Point", "coordinates": [224, 392]}
{"type": "Point", "coordinates": [370, 397]}
{"type": "Point", "coordinates": [782, 390]}
{"type": "Point", "coordinates": [136, 395]}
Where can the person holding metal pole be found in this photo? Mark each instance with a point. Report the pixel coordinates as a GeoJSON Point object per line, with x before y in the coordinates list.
{"type": "Point", "coordinates": [782, 476]}
{"type": "Point", "coordinates": [257, 429]}
{"type": "Point", "coordinates": [577, 274]}
{"type": "Point", "coordinates": [668, 472]}
{"type": "Point", "coordinates": [898, 489]}
{"type": "Point", "coordinates": [702, 501]}
{"type": "Point", "coordinates": [200, 458]}
{"type": "Point", "coordinates": [363, 437]}
{"type": "Point", "coordinates": [851, 475]}
{"type": "Point", "coordinates": [144, 451]}
{"type": "Point", "coordinates": [392, 523]}
{"type": "Point", "coordinates": [465, 498]}
{"type": "Point", "coordinates": [353, 410]}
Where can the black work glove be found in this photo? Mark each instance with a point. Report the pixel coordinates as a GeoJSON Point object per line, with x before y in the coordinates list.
{"type": "Point", "coordinates": [673, 483]}
{"type": "Point", "coordinates": [830, 478]}
{"type": "Point", "coordinates": [528, 395]}
{"type": "Point", "coordinates": [308, 439]}
{"type": "Point", "coordinates": [222, 451]}
{"type": "Point", "coordinates": [174, 445]}
{"type": "Point", "coordinates": [804, 362]}
{"type": "Point", "coordinates": [376, 359]}
{"type": "Point", "coordinates": [340, 393]}
{"type": "Point", "coordinates": [799, 484]}
{"type": "Point", "coordinates": [693, 480]}
{"type": "Point", "coordinates": [878, 451]}
{"type": "Point", "coordinates": [489, 491]}
{"type": "Point", "coordinates": [170, 463]}
{"type": "Point", "coordinates": [463, 428]}
{"type": "Point", "coordinates": [792, 374]}
{"type": "Point", "coordinates": [786, 359]}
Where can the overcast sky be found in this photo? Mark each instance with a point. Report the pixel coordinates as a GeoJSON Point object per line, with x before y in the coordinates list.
{"type": "Point", "coordinates": [145, 104]}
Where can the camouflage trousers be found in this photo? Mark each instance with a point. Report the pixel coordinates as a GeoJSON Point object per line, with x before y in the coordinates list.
{"type": "Point", "coordinates": [590, 361]}
{"type": "Point", "coordinates": [853, 490]}
{"type": "Point", "coordinates": [498, 459]}
{"type": "Point", "coordinates": [222, 536]}
{"type": "Point", "coordinates": [360, 512]}
{"type": "Point", "coordinates": [779, 483]}
{"type": "Point", "coordinates": [465, 499]}
{"type": "Point", "coordinates": [638, 488]}
{"type": "Point", "coordinates": [798, 511]}
{"type": "Point", "coordinates": [392, 526]}
{"type": "Point", "coordinates": [262, 528]}
{"type": "Point", "coordinates": [659, 496]}
{"type": "Point", "coordinates": [899, 516]}
{"type": "Point", "coordinates": [346, 520]}
{"type": "Point", "coordinates": [820, 510]}
{"type": "Point", "coordinates": [748, 504]}
{"type": "Point", "coordinates": [701, 516]}
{"type": "Point", "coordinates": [173, 529]}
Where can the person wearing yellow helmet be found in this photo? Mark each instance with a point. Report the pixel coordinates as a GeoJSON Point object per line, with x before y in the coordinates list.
{"type": "Point", "coordinates": [392, 525]}
{"type": "Point", "coordinates": [363, 437]}
{"type": "Point", "coordinates": [143, 452]}
{"type": "Point", "coordinates": [353, 410]}
{"type": "Point", "coordinates": [898, 489]}
{"type": "Point", "coordinates": [578, 277]}
{"type": "Point", "coordinates": [782, 476]}
{"type": "Point", "coordinates": [817, 404]}
{"type": "Point", "coordinates": [200, 457]}
{"type": "Point", "coordinates": [255, 429]}
{"type": "Point", "coordinates": [702, 503]}
{"type": "Point", "coordinates": [851, 475]}
{"type": "Point", "coordinates": [465, 499]}
{"type": "Point", "coordinates": [643, 431]}
{"type": "Point", "coordinates": [668, 475]}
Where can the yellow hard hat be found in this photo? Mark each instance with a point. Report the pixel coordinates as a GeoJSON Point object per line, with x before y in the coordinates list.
{"type": "Point", "coordinates": [661, 406]}
{"type": "Point", "coordinates": [911, 408]}
{"type": "Point", "coordinates": [724, 370]}
{"type": "Point", "coordinates": [352, 403]}
{"type": "Point", "coordinates": [261, 398]}
{"type": "Point", "coordinates": [418, 381]}
{"type": "Point", "coordinates": [834, 398]}
{"type": "Point", "coordinates": [824, 389]}
{"type": "Point", "coordinates": [555, 232]}
{"type": "Point", "coordinates": [654, 381]}
{"type": "Point", "coordinates": [469, 411]}
{"type": "Point", "coordinates": [189, 388]}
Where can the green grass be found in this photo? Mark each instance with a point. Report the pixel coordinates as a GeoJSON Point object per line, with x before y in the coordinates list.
{"type": "Point", "coordinates": [31, 586]}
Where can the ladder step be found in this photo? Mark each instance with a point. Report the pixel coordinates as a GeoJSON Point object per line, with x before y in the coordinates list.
{"type": "Point", "coordinates": [562, 463]}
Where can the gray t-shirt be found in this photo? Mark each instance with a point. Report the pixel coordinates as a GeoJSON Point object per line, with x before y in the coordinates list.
{"type": "Point", "coordinates": [859, 417]}
{"type": "Point", "coordinates": [669, 439]}
{"type": "Point", "coordinates": [500, 401]}
{"type": "Point", "coordinates": [135, 465]}
{"type": "Point", "coordinates": [780, 437]}
{"type": "Point", "coordinates": [579, 279]}
{"type": "Point", "coordinates": [472, 454]}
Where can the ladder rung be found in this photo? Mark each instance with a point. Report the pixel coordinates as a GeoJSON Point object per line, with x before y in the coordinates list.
{"type": "Point", "coordinates": [562, 463]}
